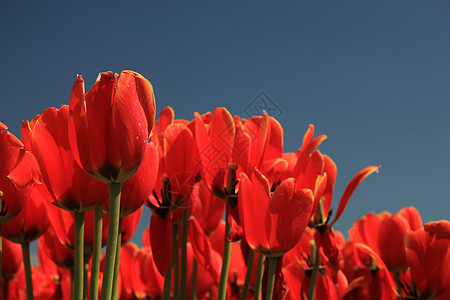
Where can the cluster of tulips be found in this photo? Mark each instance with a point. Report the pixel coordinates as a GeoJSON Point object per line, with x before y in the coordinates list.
{"type": "Point", "coordinates": [233, 217]}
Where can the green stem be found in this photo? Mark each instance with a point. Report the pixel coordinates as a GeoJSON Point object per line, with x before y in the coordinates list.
{"type": "Point", "coordinates": [79, 255]}
{"type": "Point", "coordinates": [111, 244]}
{"type": "Point", "coordinates": [225, 264]}
{"type": "Point", "coordinates": [315, 271]}
{"type": "Point", "coordinates": [85, 275]}
{"type": "Point", "coordinates": [114, 295]}
{"type": "Point", "coordinates": [168, 281]}
{"type": "Point", "coordinates": [248, 275]}
{"type": "Point", "coordinates": [27, 268]}
{"type": "Point", "coordinates": [72, 293]}
{"type": "Point", "coordinates": [183, 288]}
{"type": "Point", "coordinates": [271, 276]}
{"type": "Point", "coordinates": [96, 252]}
{"type": "Point", "coordinates": [176, 262]}
{"type": "Point", "coordinates": [399, 286]}
{"type": "Point", "coordinates": [259, 276]}
{"type": "Point", "coordinates": [194, 281]}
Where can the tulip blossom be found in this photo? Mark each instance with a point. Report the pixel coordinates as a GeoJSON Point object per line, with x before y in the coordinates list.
{"type": "Point", "coordinates": [215, 141]}
{"type": "Point", "coordinates": [11, 259]}
{"type": "Point", "coordinates": [207, 208]}
{"type": "Point", "coordinates": [324, 237]}
{"type": "Point", "coordinates": [12, 151]}
{"type": "Point", "coordinates": [181, 167]}
{"type": "Point", "coordinates": [27, 225]}
{"type": "Point", "coordinates": [110, 125]}
{"type": "Point", "coordinates": [130, 272]}
{"type": "Point", "coordinates": [63, 224]}
{"type": "Point", "coordinates": [136, 190]}
{"type": "Point", "coordinates": [273, 224]}
{"type": "Point", "coordinates": [385, 235]}
{"type": "Point", "coordinates": [68, 185]}
{"type": "Point", "coordinates": [18, 173]}
{"type": "Point", "coordinates": [428, 254]}
{"type": "Point", "coordinates": [52, 252]}
{"type": "Point", "coordinates": [367, 275]}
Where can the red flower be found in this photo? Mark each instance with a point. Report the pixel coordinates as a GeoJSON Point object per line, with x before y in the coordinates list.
{"type": "Point", "coordinates": [428, 254]}
{"type": "Point", "coordinates": [215, 141]}
{"type": "Point", "coordinates": [12, 151]}
{"type": "Point", "coordinates": [11, 258]}
{"type": "Point", "coordinates": [138, 188]}
{"type": "Point", "coordinates": [207, 208]}
{"type": "Point", "coordinates": [63, 224]}
{"type": "Point", "coordinates": [69, 186]}
{"type": "Point", "coordinates": [28, 225]}
{"type": "Point", "coordinates": [18, 173]}
{"type": "Point", "coordinates": [111, 124]}
{"type": "Point", "coordinates": [53, 254]}
{"type": "Point", "coordinates": [273, 224]}
{"type": "Point", "coordinates": [385, 235]}
{"type": "Point", "coordinates": [181, 167]}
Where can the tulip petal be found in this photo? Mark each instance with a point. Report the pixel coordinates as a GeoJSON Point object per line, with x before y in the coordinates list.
{"type": "Point", "coordinates": [130, 127]}
{"type": "Point", "coordinates": [290, 212]}
{"type": "Point", "coordinates": [166, 117]}
{"type": "Point", "coordinates": [98, 110]}
{"type": "Point", "coordinates": [253, 213]}
{"type": "Point", "coordinates": [308, 146]}
{"type": "Point", "coordinates": [257, 128]}
{"type": "Point", "coordinates": [201, 245]}
{"type": "Point", "coordinates": [352, 185]}
{"type": "Point", "coordinates": [11, 151]}
{"type": "Point", "coordinates": [161, 242]}
{"type": "Point", "coordinates": [78, 130]}
{"type": "Point", "coordinates": [331, 170]}
{"type": "Point", "coordinates": [274, 145]}
{"type": "Point", "coordinates": [180, 155]}
{"type": "Point", "coordinates": [26, 172]}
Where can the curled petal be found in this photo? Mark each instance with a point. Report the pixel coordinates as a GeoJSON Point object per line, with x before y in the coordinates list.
{"type": "Point", "coordinates": [351, 187]}
{"type": "Point", "coordinates": [11, 151]}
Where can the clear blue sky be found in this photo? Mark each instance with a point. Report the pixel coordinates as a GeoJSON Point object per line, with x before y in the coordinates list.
{"type": "Point", "coordinates": [373, 76]}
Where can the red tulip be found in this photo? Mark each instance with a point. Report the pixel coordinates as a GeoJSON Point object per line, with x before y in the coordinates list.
{"type": "Point", "coordinates": [63, 224]}
{"type": "Point", "coordinates": [130, 273]}
{"type": "Point", "coordinates": [161, 241]}
{"type": "Point", "coordinates": [150, 276]}
{"type": "Point", "coordinates": [11, 258]}
{"type": "Point", "coordinates": [110, 125]}
{"type": "Point", "coordinates": [324, 237]}
{"type": "Point", "coordinates": [368, 277]}
{"type": "Point", "coordinates": [259, 143]}
{"type": "Point", "coordinates": [129, 225]}
{"type": "Point", "coordinates": [28, 225]}
{"type": "Point", "coordinates": [428, 254]}
{"type": "Point", "coordinates": [44, 287]}
{"type": "Point", "coordinates": [12, 151]}
{"type": "Point", "coordinates": [207, 208]}
{"type": "Point", "coordinates": [18, 172]}
{"type": "Point", "coordinates": [181, 167]}
{"type": "Point", "coordinates": [139, 187]}
{"type": "Point", "coordinates": [273, 224]}
{"type": "Point", "coordinates": [50, 248]}
{"type": "Point", "coordinates": [215, 141]}
{"type": "Point", "coordinates": [385, 235]}
{"type": "Point", "coordinates": [69, 186]}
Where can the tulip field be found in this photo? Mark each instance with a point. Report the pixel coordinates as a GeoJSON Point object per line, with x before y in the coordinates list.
{"type": "Point", "coordinates": [233, 216]}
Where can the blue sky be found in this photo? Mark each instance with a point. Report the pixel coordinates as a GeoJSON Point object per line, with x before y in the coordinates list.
{"type": "Point", "coordinates": [373, 76]}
